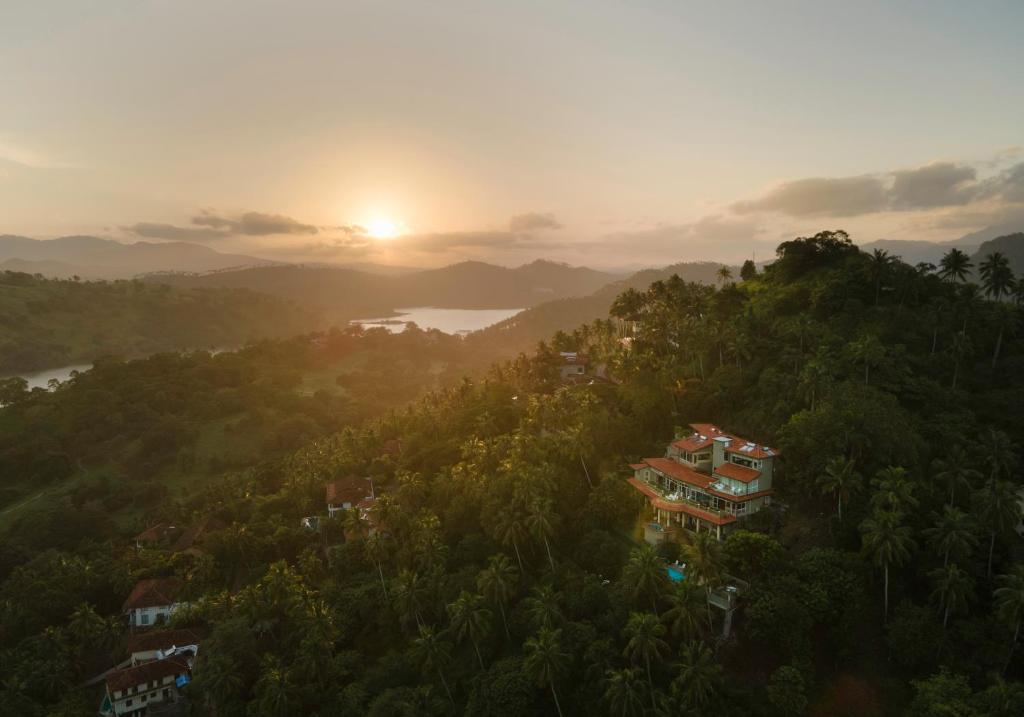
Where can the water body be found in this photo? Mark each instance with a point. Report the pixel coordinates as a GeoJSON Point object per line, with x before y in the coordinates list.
{"type": "Point", "coordinates": [450, 321]}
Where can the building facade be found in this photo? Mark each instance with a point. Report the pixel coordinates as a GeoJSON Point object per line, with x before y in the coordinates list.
{"type": "Point", "coordinates": [152, 602]}
{"type": "Point", "coordinates": [708, 480]}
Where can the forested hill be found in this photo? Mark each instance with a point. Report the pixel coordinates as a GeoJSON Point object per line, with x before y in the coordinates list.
{"type": "Point", "coordinates": [45, 323]}
{"type": "Point", "coordinates": [522, 331]}
{"type": "Point", "coordinates": [351, 294]}
{"type": "Point", "coordinates": [506, 573]}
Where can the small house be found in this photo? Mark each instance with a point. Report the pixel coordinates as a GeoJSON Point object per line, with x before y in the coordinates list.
{"type": "Point", "coordinates": [152, 602]}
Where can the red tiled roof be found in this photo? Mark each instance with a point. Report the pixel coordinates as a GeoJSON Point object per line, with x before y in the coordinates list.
{"type": "Point", "coordinates": [737, 472]}
{"type": "Point", "coordinates": [674, 507]}
{"type": "Point", "coordinates": [196, 532]}
{"type": "Point", "coordinates": [162, 639]}
{"type": "Point", "coordinates": [637, 466]}
{"type": "Point", "coordinates": [692, 443]}
{"type": "Point", "coordinates": [350, 489]}
{"type": "Point", "coordinates": [145, 673]}
{"type": "Point", "coordinates": [152, 593]}
{"type": "Point", "coordinates": [678, 471]}
{"type": "Point", "coordinates": [756, 451]}
{"type": "Point", "coordinates": [157, 533]}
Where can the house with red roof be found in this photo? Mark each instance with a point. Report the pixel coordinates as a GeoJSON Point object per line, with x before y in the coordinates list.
{"type": "Point", "coordinates": [152, 601]}
{"type": "Point", "coordinates": [347, 493]}
{"type": "Point", "coordinates": [708, 480]}
{"type": "Point", "coordinates": [135, 690]}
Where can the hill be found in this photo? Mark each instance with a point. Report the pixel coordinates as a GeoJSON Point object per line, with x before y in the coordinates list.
{"type": "Point", "coordinates": [46, 323]}
{"type": "Point", "coordinates": [1012, 245]}
{"type": "Point", "coordinates": [94, 258]}
{"type": "Point", "coordinates": [348, 293]}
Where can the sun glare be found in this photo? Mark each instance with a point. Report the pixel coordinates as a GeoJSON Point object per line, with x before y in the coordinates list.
{"type": "Point", "coordinates": [383, 228]}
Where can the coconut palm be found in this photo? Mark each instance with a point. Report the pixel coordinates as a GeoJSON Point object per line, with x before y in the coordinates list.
{"type": "Point", "coordinates": [956, 471]}
{"type": "Point", "coordinates": [888, 543]}
{"type": "Point", "coordinates": [409, 594]}
{"type": "Point", "coordinates": [353, 524]}
{"type": "Point", "coordinates": [869, 351]}
{"type": "Point", "coordinates": [683, 616]}
{"type": "Point", "coordinates": [434, 653]}
{"type": "Point", "coordinates": [625, 691]}
{"type": "Point", "coordinates": [643, 632]}
{"type": "Point", "coordinates": [645, 574]}
{"type": "Point", "coordinates": [879, 264]}
{"type": "Point", "coordinates": [999, 510]}
{"type": "Point", "coordinates": [377, 550]}
{"type": "Point", "coordinates": [542, 607]}
{"type": "Point", "coordinates": [1000, 456]}
{"type": "Point", "coordinates": [496, 582]}
{"type": "Point", "coordinates": [839, 480]}
{"type": "Point", "coordinates": [1009, 603]}
{"type": "Point", "coordinates": [698, 677]}
{"type": "Point", "coordinates": [541, 521]}
{"type": "Point", "coordinates": [274, 689]}
{"type": "Point", "coordinates": [894, 491]}
{"type": "Point", "coordinates": [705, 563]}
{"type": "Point", "coordinates": [953, 589]}
{"type": "Point", "coordinates": [545, 660]}
{"type": "Point", "coordinates": [955, 266]}
{"type": "Point", "coordinates": [470, 619]}
{"type": "Point", "coordinates": [996, 276]}
{"type": "Point", "coordinates": [952, 534]}
{"type": "Point", "coordinates": [724, 274]}
{"type": "Point", "coordinates": [960, 349]}
{"type": "Point", "coordinates": [510, 530]}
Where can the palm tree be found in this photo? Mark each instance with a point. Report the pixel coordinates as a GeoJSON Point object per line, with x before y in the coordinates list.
{"type": "Point", "coordinates": [724, 274]}
{"type": "Point", "coordinates": [960, 349]}
{"type": "Point", "coordinates": [409, 594]}
{"type": "Point", "coordinates": [1009, 603]}
{"type": "Point", "coordinates": [894, 491]}
{"type": "Point", "coordinates": [955, 266]}
{"type": "Point", "coordinates": [698, 676]}
{"type": "Point", "coordinates": [353, 524]}
{"type": "Point", "coordinates": [999, 510]}
{"type": "Point", "coordinates": [645, 573]}
{"type": "Point", "coordinates": [509, 529]}
{"type": "Point", "coordinates": [541, 521]}
{"type": "Point", "coordinates": [683, 615]}
{"type": "Point", "coordinates": [955, 471]}
{"type": "Point", "coordinates": [545, 660]}
{"type": "Point", "coordinates": [377, 551]}
{"type": "Point", "coordinates": [996, 276]}
{"type": "Point", "coordinates": [220, 678]}
{"type": "Point", "coordinates": [469, 618]}
{"type": "Point", "coordinates": [869, 351]}
{"type": "Point", "coordinates": [879, 262]}
{"type": "Point", "coordinates": [1000, 455]}
{"type": "Point", "coordinates": [953, 588]}
{"type": "Point", "coordinates": [434, 653]}
{"type": "Point", "coordinates": [495, 582]}
{"type": "Point", "coordinates": [840, 480]}
{"type": "Point", "coordinates": [705, 563]}
{"type": "Point", "coordinates": [542, 607]}
{"type": "Point", "coordinates": [274, 688]}
{"type": "Point", "coordinates": [952, 534]}
{"type": "Point", "coordinates": [625, 691]}
{"type": "Point", "coordinates": [887, 543]}
{"type": "Point", "coordinates": [644, 632]}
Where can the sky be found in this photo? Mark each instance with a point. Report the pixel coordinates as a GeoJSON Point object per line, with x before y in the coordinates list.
{"type": "Point", "coordinates": [611, 134]}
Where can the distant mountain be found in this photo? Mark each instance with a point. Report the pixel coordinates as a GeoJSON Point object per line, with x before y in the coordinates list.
{"type": "Point", "coordinates": [1011, 245]}
{"type": "Point", "coordinates": [349, 294]}
{"type": "Point", "coordinates": [526, 328]}
{"type": "Point", "coordinates": [916, 251]}
{"type": "Point", "coordinates": [95, 258]}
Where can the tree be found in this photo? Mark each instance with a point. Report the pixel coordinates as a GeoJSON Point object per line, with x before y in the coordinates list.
{"type": "Point", "coordinates": [879, 264]}
{"type": "Point", "coordinates": [645, 574]}
{"type": "Point", "coordinates": [542, 607]}
{"type": "Point", "coordinates": [996, 276]}
{"type": "Point", "coordinates": [698, 677]}
{"type": "Point", "coordinates": [888, 543]}
{"type": "Point", "coordinates": [787, 691]}
{"type": "Point", "coordinates": [840, 480]}
{"type": "Point", "coordinates": [377, 550]}
{"type": "Point", "coordinates": [625, 691]}
{"type": "Point", "coordinates": [1009, 604]}
{"type": "Point", "coordinates": [643, 633]}
{"type": "Point", "coordinates": [724, 274]}
{"type": "Point", "coordinates": [409, 595]}
{"type": "Point", "coordinates": [683, 615]}
{"type": "Point", "coordinates": [274, 690]}
{"type": "Point", "coordinates": [952, 534]}
{"type": "Point", "coordinates": [869, 351]}
{"type": "Point", "coordinates": [955, 471]}
{"type": "Point", "coordinates": [470, 619]}
{"type": "Point", "coordinates": [953, 588]}
{"type": "Point", "coordinates": [541, 522]}
{"type": "Point", "coordinates": [495, 582]}
{"type": "Point", "coordinates": [955, 266]}
{"type": "Point", "coordinates": [434, 653]}
{"type": "Point", "coordinates": [509, 529]}
{"type": "Point", "coordinates": [545, 660]}
{"type": "Point", "coordinates": [704, 562]}
{"type": "Point", "coordinates": [894, 491]}
{"type": "Point", "coordinates": [999, 510]}
{"type": "Point", "coordinates": [749, 270]}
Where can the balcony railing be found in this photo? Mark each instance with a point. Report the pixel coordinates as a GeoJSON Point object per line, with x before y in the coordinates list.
{"type": "Point", "coordinates": [682, 498]}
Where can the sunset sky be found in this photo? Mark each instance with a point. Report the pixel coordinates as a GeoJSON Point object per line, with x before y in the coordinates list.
{"type": "Point", "coordinates": [612, 134]}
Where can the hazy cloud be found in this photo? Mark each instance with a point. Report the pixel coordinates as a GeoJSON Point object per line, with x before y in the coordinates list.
{"type": "Point", "coordinates": [821, 196]}
{"type": "Point", "coordinates": [942, 184]}
{"type": "Point", "coordinates": [155, 230]}
{"type": "Point", "coordinates": [713, 236]}
{"type": "Point", "coordinates": [532, 222]}
{"type": "Point", "coordinates": [445, 241]}
{"type": "Point", "coordinates": [253, 224]}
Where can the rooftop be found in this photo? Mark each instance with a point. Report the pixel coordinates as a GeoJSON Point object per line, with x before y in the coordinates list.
{"type": "Point", "coordinates": [158, 533]}
{"type": "Point", "coordinates": [705, 433]}
{"type": "Point", "coordinates": [737, 472]}
{"type": "Point", "coordinates": [153, 593]}
{"type": "Point", "coordinates": [197, 531]}
{"type": "Point", "coordinates": [350, 489]}
{"type": "Point", "coordinates": [162, 640]}
{"type": "Point", "coordinates": [146, 673]}
{"type": "Point", "coordinates": [678, 471]}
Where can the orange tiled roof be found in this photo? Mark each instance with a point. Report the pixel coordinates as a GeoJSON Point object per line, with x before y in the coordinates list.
{"type": "Point", "coordinates": [146, 673]}
{"type": "Point", "coordinates": [152, 593]}
{"type": "Point", "coordinates": [736, 444]}
{"type": "Point", "coordinates": [678, 471]}
{"type": "Point", "coordinates": [737, 472]}
{"type": "Point", "coordinates": [350, 489]}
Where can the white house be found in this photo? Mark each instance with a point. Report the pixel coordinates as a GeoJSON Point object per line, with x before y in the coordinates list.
{"type": "Point", "coordinates": [152, 602]}
{"type": "Point", "coordinates": [133, 690]}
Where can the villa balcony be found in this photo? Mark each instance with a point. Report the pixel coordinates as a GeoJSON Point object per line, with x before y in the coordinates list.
{"type": "Point", "coordinates": [679, 503]}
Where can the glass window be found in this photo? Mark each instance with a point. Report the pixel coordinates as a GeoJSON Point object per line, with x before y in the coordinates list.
{"type": "Point", "coordinates": [144, 619]}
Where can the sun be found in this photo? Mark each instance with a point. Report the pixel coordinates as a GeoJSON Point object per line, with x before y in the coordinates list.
{"type": "Point", "coordinates": [383, 228]}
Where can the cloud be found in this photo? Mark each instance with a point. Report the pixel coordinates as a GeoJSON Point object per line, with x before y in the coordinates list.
{"type": "Point", "coordinates": [713, 237]}
{"type": "Point", "coordinates": [155, 230]}
{"type": "Point", "coordinates": [532, 222]}
{"type": "Point", "coordinates": [345, 247]}
{"type": "Point", "coordinates": [254, 224]}
{"type": "Point", "coordinates": [445, 241]}
{"type": "Point", "coordinates": [941, 184]}
{"type": "Point", "coordinates": [820, 196]}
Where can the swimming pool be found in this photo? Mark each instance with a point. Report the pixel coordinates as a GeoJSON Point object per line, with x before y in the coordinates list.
{"type": "Point", "coordinates": [675, 574]}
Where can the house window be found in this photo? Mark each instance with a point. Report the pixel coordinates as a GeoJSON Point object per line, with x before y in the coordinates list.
{"type": "Point", "coordinates": [144, 619]}
{"type": "Point", "coordinates": [128, 703]}
{"type": "Point", "coordinates": [753, 486]}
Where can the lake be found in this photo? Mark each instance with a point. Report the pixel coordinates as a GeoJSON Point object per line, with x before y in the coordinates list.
{"type": "Point", "coordinates": [450, 321]}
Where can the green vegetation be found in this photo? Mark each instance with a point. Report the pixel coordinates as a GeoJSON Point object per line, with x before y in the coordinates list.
{"type": "Point", "coordinates": [46, 323]}
{"type": "Point", "coordinates": [885, 580]}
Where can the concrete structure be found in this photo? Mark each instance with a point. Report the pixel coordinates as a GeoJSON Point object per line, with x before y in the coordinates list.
{"type": "Point", "coordinates": [708, 480]}
{"type": "Point", "coordinates": [150, 645]}
{"type": "Point", "coordinates": [152, 602]}
{"type": "Point", "coordinates": [133, 690]}
{"type": "Point", "coordinates": [347, 493]}
{"type": "Point", "coordinates": [573, 365]}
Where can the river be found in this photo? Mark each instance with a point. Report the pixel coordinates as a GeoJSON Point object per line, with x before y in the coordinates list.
{"type": "Point", "coordinates": [450, 321]}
